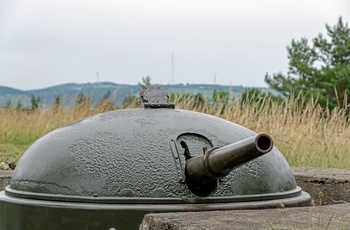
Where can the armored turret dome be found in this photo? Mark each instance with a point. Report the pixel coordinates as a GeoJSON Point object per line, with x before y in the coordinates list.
{"type": "Point", "coordinates": [128, 162]}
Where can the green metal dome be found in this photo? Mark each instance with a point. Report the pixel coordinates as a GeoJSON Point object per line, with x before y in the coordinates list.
{"type": "Point", "coordinates": [126, 163]}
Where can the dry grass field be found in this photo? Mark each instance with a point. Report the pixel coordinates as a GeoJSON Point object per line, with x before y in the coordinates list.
{"type": "Point", "coordinates": [306, 134]}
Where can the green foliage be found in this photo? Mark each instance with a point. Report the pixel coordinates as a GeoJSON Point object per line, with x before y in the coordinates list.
{"type": "Point", "coordinates": [34, 101]}
{"type": "Point", "coordinates": [320, 70]}
{"type": "Point", "coordinates": [106, 103]}
{"type": "Point", "coordinates": [221, 99]}
{"type": "Point", "coordinates": [220, 96]}
{"type": "Point", "coordinates": [131, 101]}
{"type": "Point", "coordinates": [251, 96]}
{"type": "Point", "coordinates": [107, 95]}
{"type": "Point", "coordinates": [8, 104]}
{"type": "Point", "coordinates": [57, 103]}
{"type": "Point", "coordinates": [146, 81]}
{"type": "Point", "coordinates": [81, 99]}
{"type": "Point", "coordinates": [193, 101]}
{"type": "Point", "coordinates": [199, 100]}
{"type": "Point", "coordinates": [83, 103]}
{"type": "Point", "coordinates": [19, 105]}
{"type": "Point", "coordinates": [256, 96]}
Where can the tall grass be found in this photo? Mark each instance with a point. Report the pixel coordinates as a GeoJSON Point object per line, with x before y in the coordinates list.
{"type": "Point", "coordinates": [306, 134]}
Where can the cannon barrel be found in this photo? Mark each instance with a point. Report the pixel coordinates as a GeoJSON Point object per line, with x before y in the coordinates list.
{"type": "Point", "coordinates": [202, 170]}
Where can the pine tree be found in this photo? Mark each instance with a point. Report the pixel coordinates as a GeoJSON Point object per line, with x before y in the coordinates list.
{"type": "Point", "coordinates": [319, 70]}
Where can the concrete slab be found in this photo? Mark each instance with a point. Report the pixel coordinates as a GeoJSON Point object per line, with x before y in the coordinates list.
{"type": "Point", "coordinates": [317, 217]}
{"type": "Point", "coordinates": [5, 177]}
{"type": "Point", "coordinates": [326, 186]}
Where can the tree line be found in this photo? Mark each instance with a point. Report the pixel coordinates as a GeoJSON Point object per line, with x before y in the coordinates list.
{"type": "Point", "coordinates": [219, 98]}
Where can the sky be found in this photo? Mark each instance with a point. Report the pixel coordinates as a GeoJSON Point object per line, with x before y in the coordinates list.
{"type": "Point", "coordinates": [227, 42]}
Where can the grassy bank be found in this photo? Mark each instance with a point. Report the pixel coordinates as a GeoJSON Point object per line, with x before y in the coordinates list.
{"type": "Point", "coordinates": [306, 134]}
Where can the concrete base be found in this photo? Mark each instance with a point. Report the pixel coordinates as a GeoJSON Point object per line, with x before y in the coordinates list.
{"type": "Point", "coordinates": [5, 177]}
{"type": "Point", "coordinates": [324, 217]}
{"type": "Point", "coordinates": [326, 186]}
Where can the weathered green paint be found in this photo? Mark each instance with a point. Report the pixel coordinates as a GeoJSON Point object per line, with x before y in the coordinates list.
{"type": "Point", "coordinates": [127, 153]}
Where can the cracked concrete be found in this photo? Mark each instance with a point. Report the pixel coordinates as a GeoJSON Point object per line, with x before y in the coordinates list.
{"type": "Point", "coordinates": [326, 186]}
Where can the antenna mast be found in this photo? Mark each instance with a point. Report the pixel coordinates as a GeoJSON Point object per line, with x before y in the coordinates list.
{"type": "Point", "coordinates": [215, 77]}
{"type": "Point", "coordinates": [172, 68]}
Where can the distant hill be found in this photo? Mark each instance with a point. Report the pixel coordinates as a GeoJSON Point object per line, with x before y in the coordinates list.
{"type": "Point", "coordinates": [96, 91]}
